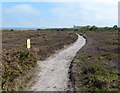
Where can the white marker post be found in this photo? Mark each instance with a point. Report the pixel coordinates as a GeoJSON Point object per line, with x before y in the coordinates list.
{"type": "Point", "coordinates": [28, 43]}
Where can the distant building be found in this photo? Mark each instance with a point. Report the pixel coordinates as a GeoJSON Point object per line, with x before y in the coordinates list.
{"type": "Point", "coordinates": [77, 26]}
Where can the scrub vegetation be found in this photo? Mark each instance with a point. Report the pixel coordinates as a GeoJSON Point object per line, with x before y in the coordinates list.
{"type": "Point", "coordinates": [19, 63]}
{"type": "Point", "coordinates": [95, 67]}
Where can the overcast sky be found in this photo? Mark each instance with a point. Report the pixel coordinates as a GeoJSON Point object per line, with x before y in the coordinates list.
{"type": "Point", "coordinates": [59, 14]}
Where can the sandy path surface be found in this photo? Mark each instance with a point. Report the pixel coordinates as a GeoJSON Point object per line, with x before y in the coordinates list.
{"type": "Point", "coordinates": [54, 70]}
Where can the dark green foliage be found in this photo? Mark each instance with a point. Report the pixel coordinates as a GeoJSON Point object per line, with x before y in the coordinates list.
{"type": "Point", "coordinates": [115, 27]}
{"type": "Point", "coordinates": [100, 78]}
{"type": "Point", "coordinates": [12, 30]}
{"type": "Point", "coordinates": [93, 28]}
{"type": "Point", "coordinates": [38, 29]}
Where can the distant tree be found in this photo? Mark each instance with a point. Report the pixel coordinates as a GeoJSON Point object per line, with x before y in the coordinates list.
{"type": "Point", "coordinates": [62, 29]}
{"type": "Point", "coordinates": [93, 28]}
{"type": "Point", "coordinates": [58, 29]}
{"type": "Point", "coordinates": [88, 26]}
{"type": "Point", "coordinates": [12, 30]}
{"type": "Point", "coordinates": [115, 27]}
{"type": "Point", "coordinates": [84, 28]}
{"type": "Point", "coordinates": [75, 29]}
{"type": "Point", "coordinates": [38, 29]}
{"type": "Point", "coordinates": [106, 27]}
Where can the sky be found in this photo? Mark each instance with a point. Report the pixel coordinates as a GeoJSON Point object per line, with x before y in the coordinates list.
{"type": "Point", "coordinates": [59, 14]}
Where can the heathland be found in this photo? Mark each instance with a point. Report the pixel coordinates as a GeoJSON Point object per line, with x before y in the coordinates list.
{"type": "Point", "coordinates": [18, 62]}
{"type": "Point", "coordinates": [95, 67]}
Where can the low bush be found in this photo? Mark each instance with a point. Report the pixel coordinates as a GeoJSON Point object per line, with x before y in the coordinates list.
{"type": "Point", "coordinates": [16, 64]}
{"type": "Point", "coordinates": [100, 78]}
{"type": "Point", "coordinates": [95, 67]}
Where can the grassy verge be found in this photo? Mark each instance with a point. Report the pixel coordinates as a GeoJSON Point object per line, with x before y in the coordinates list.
{"type": "Point", "coordinates": [95, 67]}
{"type": "Point", "coordinates": [18, 63]}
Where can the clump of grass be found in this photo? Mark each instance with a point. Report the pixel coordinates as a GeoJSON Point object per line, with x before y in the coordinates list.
{"type": "Point", "coordinates": [103, 59]}
{"type": "Point", "coordinates": [85, 57]}
{"type": "Point", "coordinates": [113, 42]}
{"type": "Point", "coordinates": [100, 78]}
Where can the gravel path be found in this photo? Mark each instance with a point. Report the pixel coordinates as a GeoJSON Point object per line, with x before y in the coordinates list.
{"type": "Point", "coordinates": [54, 70]}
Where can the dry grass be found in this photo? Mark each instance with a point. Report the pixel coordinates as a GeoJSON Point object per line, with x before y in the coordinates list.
{"type": "Point", "coordinates": [18, 62]}
{"type": "Point", "coordinates": [95, 67]}
{"type": "Point", "coordinates": [45, 42]}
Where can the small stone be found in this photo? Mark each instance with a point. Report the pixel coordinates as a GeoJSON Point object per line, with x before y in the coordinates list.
{"type": "Point", "coordinates": [54, 86]}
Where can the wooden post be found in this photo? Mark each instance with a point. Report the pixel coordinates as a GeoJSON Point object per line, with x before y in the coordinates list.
{"type": "Point", "coordinates": [28, 43]}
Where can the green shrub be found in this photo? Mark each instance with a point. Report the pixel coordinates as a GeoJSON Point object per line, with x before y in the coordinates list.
{"type": "Point", "coordinates": [100, 78]}
{"type": "Point", "coordinates": [16, 64]}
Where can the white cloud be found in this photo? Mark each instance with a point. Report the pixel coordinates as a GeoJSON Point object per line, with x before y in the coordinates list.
{"type": "Point", "coordinates": [22, 9]}
{"type": "Point", "coordinates": [63, 15]}
{"type": "Point", "coordinates": [100, 14]}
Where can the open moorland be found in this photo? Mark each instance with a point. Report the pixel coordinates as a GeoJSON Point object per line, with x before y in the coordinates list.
{"type": "Point", "coordinates": [19, 62]}
{"type": "Point", "coordinates": [95, 67]}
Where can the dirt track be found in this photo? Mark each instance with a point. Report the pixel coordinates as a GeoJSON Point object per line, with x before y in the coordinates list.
{"type": "Point", "coordinates": [54, 70]}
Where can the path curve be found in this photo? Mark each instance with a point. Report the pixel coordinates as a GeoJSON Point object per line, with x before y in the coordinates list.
{"type": "Point", "coordinates": [54, 70]}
